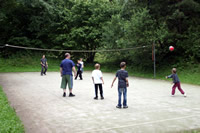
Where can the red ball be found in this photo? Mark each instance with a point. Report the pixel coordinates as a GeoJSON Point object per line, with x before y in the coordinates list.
{"type": "Point", "coordinates": [171, 48]}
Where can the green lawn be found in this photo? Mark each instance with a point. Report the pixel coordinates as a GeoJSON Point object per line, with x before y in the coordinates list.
{"type": "Point", "coordinates": [190, 75]}
{"type": "Point", "coordinates": [9, 121]}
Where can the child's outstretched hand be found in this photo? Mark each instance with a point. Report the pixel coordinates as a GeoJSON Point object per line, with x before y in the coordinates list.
{"type": "Point", "coordinates": [166, 77]}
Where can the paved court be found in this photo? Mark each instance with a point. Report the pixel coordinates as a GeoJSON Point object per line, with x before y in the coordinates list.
{"type": "Point", "coordinates": [39, 103]}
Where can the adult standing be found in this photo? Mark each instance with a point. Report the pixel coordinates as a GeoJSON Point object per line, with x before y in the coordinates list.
{"type": "Point", "coordinates": [66, 68]}
{"type": "Point", "coordinates": [44, 65]}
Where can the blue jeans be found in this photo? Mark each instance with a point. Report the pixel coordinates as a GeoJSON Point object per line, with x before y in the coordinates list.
{"type": "Point", "coordinates": [124, 91]}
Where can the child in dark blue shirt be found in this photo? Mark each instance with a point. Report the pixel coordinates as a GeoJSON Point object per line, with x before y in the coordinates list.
{"type": "Point", "coordinates": [122, 76]}
{"type": "Point", "coordinates": [79, 71]}
{"type": "Point", "coordinates": [176, 82]}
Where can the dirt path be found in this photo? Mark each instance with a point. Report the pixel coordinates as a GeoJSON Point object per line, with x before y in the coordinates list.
{"type": "Point", "coordinates": [39, 103]}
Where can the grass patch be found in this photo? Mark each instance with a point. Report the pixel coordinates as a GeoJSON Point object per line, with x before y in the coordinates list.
{"type": "Point", "coordinates": [190, 74]}
{"type": "Point", "coordinates": [9, 121]}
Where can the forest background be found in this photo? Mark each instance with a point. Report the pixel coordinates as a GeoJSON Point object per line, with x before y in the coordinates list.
{"type": "Point", "coordinates": [103, 25]}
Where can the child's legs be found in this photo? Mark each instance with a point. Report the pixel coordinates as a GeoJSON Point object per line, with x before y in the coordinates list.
{"type": "Point", "coordinates": [42, 70]}
{"type": "Point", "coordinates": [96, 90]}
{"type": "Point", "coordinates": [179, 88]}
{"type": "Point", "coordinates": [80, 74]}
{"type": "Point", "coordinates": [76, 75]}
{"type": "Point", "coordinates": [119, 96]}
{"type": "Point", "coordinates": [125, 97]}
{"type": "Point", "coordinates": [45, 69]}
{"type": "Point", "coordinates": [174, 88]}
{"type": "Point", "coordinates": [101, 90]}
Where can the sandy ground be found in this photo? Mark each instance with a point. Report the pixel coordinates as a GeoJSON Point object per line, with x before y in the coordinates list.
{"type": "Point", "coordinates": [39, 103]}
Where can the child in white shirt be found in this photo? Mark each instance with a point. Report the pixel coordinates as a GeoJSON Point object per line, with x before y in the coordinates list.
{"type": "Point", "coordinates": [97, 78]}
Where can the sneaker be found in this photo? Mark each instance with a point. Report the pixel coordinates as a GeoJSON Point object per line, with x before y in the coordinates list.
{"type": "Point", "coordinates": [184, 95]}
{"type": "Point", "coordinates": [125, 107]}
{"type": "Point", "coordinates": [44, 73]}
{"type": "Point", "coordinates": [119, 107]}
{"type": "Point", "coordinates": [95, 98]}
{"type": "Point", "coordinates": [64, 94]}
{"type": "Point", "coordinates": [172, 95]}
{"type": "Point", "coordinates": [71, 95]}
{"type": "Point", "coordinates": [102, 98]}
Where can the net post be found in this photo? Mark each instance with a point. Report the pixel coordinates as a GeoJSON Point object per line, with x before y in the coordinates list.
{"type": "Point", "coordinates": [154, 57]}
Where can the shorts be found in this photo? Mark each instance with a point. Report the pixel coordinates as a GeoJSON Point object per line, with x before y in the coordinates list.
{"type": "Point", "coordinates": [67, 79]}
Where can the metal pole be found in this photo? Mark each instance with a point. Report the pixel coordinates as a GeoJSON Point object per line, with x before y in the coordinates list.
{"type": "Point", "coordinates": [154, 56]}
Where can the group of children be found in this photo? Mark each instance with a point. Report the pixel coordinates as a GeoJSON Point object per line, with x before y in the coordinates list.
{"type": "Point", "coordinates": [123, 83]}
{"type": "Point", "coordinates": [80, 66]}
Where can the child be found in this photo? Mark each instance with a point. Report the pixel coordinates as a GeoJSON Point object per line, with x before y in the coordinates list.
{"type": "Point", "coordinates": [44, 65]}
{"type": "Point", "coordinates": [98, 81]}
{"type": "Point", "coordinates": [176, 82]}
{"type": "Point", "coordinates": [122, 85]}
{"type": "Point", "coordinates": [79, 71]}
{"type": "Point", "coordinates": [82, 65]}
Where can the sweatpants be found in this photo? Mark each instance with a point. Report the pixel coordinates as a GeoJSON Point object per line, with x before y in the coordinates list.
{"type": "Point", "coordinates": [179, 88]}
{"type": "Point", "coordinates": [100, 89]}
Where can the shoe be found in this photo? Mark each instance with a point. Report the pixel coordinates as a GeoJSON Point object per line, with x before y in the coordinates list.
{"type": "Point", "coordinates": [125, 107]}
{"type": "Point", "coordinates": [44, 73]}
{"type": "Point", "coordinates": [172, 95]}
{"type": "Point", "coordinates": [184, 95]}
{"type": "Point", "coordinates": [64, 94]}
{"type": "Point", "coordinates": [41, 74]}
{"type": "Point", "coordinates": [74, 79]}
{"type": "Point", "coordinates": [119, 107]}
{"type": "Point", "coordinates": [95, 98]}
{"type": "Point", "coordinates": [71, 95]}
{"type": "Point", "coordinates": [102, 98]}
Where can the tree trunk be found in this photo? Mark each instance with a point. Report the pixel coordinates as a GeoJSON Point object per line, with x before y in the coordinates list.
{"type": "Point", "coordinates": [90, 57]}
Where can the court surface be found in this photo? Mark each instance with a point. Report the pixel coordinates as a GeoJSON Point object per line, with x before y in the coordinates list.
{"type": "Point", "coordinates": [39, 103]}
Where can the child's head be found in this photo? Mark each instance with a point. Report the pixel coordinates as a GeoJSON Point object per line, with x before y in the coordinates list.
{"type": "Point", "coordinates": [78, 61]}
{"type": "Point", "coordinates": [81, 59]}
{"type": "Point", "coordinates": [122, 64]}
{"type": "Point", "coordinates": [173, 70]}
{"type": "Point", "coordinates": [97, 66]}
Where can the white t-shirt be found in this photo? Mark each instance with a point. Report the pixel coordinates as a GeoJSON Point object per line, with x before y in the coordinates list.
{"type": "Point", "coordinates": [82, 64]}
{"type": "Point", "coordinates": [97, 75]}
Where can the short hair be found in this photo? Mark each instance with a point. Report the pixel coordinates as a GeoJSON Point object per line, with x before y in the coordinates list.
{"type": "Point", "coordinates": [122, 64]}
{"type": "Point", "coordinates": [67, 54]}
{"type": "Point", "coordinates": [174, 70]}
{"type": "Point", "coordinates": [97, 66]}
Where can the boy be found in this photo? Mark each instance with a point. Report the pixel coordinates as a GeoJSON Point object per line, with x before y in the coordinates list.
{"type": "Point", "coordinates": [122, 76]}
{"type": "Point", "coordinates": [44, 65]}
{"type": "Point", "coordinates": [98, 81]}
{"type": "Point", "coordinates": [79, 71]}
{"type": "Point", "coordinates": [176, 82]}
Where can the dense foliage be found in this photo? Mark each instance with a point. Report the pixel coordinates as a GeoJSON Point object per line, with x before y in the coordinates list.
{"type": "Point", "coordinates": [105, 24]}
